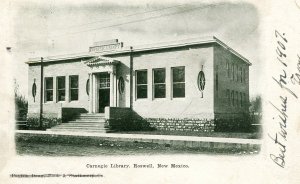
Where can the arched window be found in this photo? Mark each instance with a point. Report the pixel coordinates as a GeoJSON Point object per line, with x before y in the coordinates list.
{"type": "Point", "coordinates": [33, 90]}
{"type": "Point", "coordinates": [87, 87]}
{"type": "Point", "coordinates": [121, 85]}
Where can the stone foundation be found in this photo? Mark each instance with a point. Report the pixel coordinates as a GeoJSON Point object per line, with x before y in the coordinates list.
{"type": "Point", "coordinates": [173, 124]}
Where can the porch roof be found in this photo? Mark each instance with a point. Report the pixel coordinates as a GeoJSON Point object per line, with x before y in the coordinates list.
{"type": "Point", "coordinates": [100, 60]}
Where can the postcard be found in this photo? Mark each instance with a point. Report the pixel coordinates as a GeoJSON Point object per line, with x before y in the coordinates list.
{"type": "Point", "coordinates": [150, 91]}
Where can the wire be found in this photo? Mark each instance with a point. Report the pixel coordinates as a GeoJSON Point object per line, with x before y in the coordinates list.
{"type": "Point", "coordinates": [134, 21]}
{"type": "Point", "coordinates": [129, 15]}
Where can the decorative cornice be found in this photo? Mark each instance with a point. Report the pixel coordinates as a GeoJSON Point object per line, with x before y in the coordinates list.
{"type": "Point", "coordinates": [100, 61]}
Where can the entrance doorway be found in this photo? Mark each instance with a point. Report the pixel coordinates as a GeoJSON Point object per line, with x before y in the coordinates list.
{"type": "Point", "coordinates": [104, 91]}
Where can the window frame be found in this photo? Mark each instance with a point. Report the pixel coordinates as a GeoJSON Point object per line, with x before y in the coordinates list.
{"type": "Point", "coordinates": [172, 74]}
{"type": "Point", "coordinates": [228, 97]}
{"type": "Point", "coordinates": [241, 97]}
{"type": "Point", "coordinates": [144, 84]}
{"type": "Point", "coordinates": [232, 71]}
{"type": "Point", "coordinates": [154, 84]}
{"type": "Point", "coordinates": [228, 69]}
{"type": "Point", "coordinates": [70, 87]}
{"type": "Point", "coordinates": [237, 102]}
{"type": "Point", "coordinates": [232, 98]}
{"type": "Point", "coordinates": [46, 90]}
{"type": "Point", "coordinates": [58, 89]}
{"type": "Point", "coordinates": [217, 79]}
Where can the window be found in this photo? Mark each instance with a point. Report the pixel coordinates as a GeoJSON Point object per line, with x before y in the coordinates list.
{"type": "Point", "coordinates": [241, 97]}
{"type": "Point", "coordinates": [141, 84]}
{"type": "Point", "coordinates": [217, 79]}
{"type": "Point", "coordinates": [232, 71]}
{"type": "Point", "coordinates": [241, 74]}
{"type": "Point", "coordinates": [237, 73]}
{"type": "Point", "coordinates": [232, 98]}
{"type": "Point", "coordinates": [104, 81]}
{"type": "Point", "coordinates": [244, 74]}
{"type": "Point", "coordinates": [61, 88]}
{"type": "Point", "coordinates": [178, 76]}
{"type": "Point", "coordinates": [228, 96]}
{"type": "Point", "coordinates": [159, 83]}
{"type": "Point", "coordinates": [73, 87]}
{"type": "Point", "coordinates": [228, 69]}
{"type": "Point", "coordinates": [48, 89]}
{"type": "Point", "coordinates": [237, 103]}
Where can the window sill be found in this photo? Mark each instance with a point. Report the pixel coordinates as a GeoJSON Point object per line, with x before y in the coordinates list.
{"type": "Point", "coordinates": [141, 99]}
{"type": "Point", "coordinates": [159, 99]}
{"type": "Point", "coordinates": [178, 98]}
{"type": "Point", "coordinates": [74, 101]}
{"type": "Point", "coordinates": [61, 101]}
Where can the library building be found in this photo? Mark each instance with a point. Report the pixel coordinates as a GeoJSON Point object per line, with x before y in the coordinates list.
{"type": "Point", "coordinates": [179, 85]}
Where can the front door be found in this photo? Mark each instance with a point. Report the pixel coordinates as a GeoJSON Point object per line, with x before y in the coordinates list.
{"type": "Point", "coordinates": [104, 91]}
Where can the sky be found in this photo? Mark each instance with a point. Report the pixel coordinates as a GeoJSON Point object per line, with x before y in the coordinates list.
{"type": "Point", "coordinates": [41, 29]}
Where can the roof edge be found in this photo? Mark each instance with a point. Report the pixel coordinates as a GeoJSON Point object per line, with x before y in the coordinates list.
{"type": "Point", "coordinates": [164, 45]}
{"type": "Point", "coordinates": [60, 57]}
{"type": "Point", "coordinates": [232, 51]}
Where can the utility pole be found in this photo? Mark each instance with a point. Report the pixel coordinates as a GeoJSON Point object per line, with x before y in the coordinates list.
{"type": "Point", "coordinates": [41, 94]}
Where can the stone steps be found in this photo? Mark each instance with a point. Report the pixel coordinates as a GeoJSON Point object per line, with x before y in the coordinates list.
{"type": "Point", "coordinates": [83, 123]}
{"type": "Point", "coordinates": [87, 121]}
{"type": "Point", "coordinates": [65, 125]}
{"type": "Point", "coordinates": [80, 130]}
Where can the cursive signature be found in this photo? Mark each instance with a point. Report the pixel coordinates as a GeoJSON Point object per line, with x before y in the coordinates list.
{"type": "Point", "coordinates": [280, 136]}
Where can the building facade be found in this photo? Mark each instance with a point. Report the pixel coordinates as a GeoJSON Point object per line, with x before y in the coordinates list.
{"type": "Point", "coordinates": [185, 80]}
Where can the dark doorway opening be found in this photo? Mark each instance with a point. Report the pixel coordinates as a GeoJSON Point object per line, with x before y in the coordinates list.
{"type": "Point", "coordinates": [104, 98]}
{"type": "Point", "coordinates": [104, 91]}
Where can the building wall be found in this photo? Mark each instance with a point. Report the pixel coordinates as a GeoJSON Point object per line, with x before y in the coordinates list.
{"type": "Point", "coordinates": [192, 106]}
{"type": "Point", "coordinates": [223, 103]}
{"type": "Point", "coordinates": [215, 101]}
{"type": "Point", "coordinates": [73, 67]}
{"type": "Point", "coordinates": [34, 72]}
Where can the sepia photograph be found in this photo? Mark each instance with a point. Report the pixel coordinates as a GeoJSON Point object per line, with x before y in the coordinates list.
{"type": "Point", "coordinates": [146, 88]}
{"type": "Point", "coordinates": [154, 78]}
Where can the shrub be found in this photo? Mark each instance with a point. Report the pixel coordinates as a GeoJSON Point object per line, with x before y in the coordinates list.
{"type": "Point", "coordinates": [242, 124]}
{"type": "Point", "coordinates": [21, 104]}
{"type": "Point", "coordinates": [128, 124]}
{"type": "Point", "coordinates": [71, 113]}
{"type": "Point", "coordinates": [33, 123]}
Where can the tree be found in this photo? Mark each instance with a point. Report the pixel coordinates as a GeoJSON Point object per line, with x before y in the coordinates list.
{"type": "Point", "coordinates": [21, 104]}
{"type": "Point", "coordinates": [256, 105]}
{"type": "Point", "coordinates": [256, 109]}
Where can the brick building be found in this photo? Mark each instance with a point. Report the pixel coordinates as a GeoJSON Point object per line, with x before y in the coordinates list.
{"type": "Point", "coordinates": [189, 80]}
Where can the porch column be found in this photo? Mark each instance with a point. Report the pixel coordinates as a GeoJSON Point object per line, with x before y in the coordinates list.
{"type": "Point", "coordinates": [94, 92]}
{"type": "Point", "coordinates": [112, 89]}
{"type": "Point", "coordinates": [90, 93]}
{"type": "Point", "coordinates": [115, 90]}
